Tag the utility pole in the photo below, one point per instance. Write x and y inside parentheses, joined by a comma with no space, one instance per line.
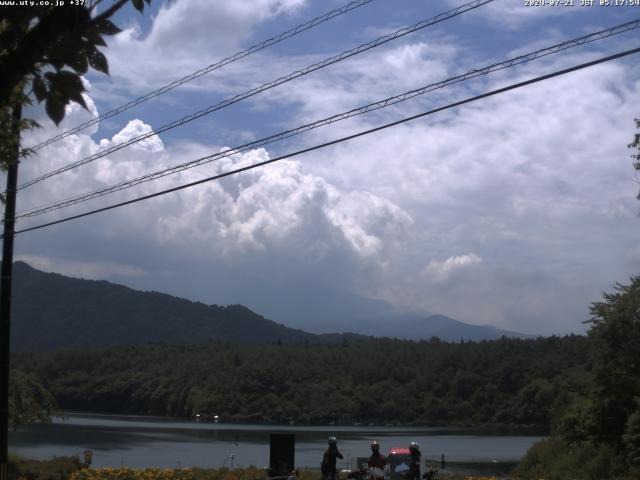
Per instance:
(5,286)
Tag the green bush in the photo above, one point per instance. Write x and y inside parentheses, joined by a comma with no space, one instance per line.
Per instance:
(555,459)
(59,468)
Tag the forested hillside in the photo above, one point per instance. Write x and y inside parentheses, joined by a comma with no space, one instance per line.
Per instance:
(508,381)
(53,311)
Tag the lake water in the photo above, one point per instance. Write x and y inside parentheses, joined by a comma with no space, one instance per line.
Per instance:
(145,442)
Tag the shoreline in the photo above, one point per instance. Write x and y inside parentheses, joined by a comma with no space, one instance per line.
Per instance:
(483,429)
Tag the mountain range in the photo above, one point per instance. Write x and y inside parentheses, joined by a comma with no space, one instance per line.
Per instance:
(415,326)
(51,311)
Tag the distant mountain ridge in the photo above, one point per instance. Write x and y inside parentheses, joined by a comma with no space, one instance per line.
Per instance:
(416,326)
(52,311)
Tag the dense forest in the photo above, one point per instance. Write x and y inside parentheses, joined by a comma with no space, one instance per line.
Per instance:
(584,391)
(381,381)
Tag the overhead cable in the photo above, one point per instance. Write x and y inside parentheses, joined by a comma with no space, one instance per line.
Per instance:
(274,83)
(215,66)
(625,27)
(339,140)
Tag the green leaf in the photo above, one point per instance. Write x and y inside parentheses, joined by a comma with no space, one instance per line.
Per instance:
(77,97)
(39,88)
(138,4)
(68,51)
(66,86)
(55,108)
(98,61)
(66,82)
(79,63)
(107,27)
(94,37)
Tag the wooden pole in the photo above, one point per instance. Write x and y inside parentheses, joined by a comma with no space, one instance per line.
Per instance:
(5,287)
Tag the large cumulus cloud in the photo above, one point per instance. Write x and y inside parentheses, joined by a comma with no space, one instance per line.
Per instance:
(516,211)
(275,218)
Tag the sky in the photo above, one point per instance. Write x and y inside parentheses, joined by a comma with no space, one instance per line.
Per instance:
(516,211)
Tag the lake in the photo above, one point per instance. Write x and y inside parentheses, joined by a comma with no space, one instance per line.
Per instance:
(159,442)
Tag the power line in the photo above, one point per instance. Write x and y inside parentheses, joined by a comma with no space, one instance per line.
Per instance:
(340,140)
(605,33)
(274,83)
(226,61)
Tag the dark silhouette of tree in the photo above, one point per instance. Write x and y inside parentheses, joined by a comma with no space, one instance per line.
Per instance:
(43,52)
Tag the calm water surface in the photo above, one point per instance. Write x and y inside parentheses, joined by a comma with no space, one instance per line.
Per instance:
(145,442)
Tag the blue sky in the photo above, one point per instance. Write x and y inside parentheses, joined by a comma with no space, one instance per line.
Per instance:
(516,211)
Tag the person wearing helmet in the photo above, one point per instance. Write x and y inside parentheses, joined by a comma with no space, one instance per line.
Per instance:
(329,459)
(414,465)
(376,461)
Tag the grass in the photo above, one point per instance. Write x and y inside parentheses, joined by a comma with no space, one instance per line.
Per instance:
(58,468)
(70,468)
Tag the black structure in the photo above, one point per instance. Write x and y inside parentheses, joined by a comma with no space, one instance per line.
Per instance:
(5,286)
(281,454)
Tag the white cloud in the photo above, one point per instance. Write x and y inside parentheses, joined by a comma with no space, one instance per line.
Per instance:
(206,24)
(373,76)
(279,208)
(184,37)
(369,223)
(442,271)
(512,14)
(134,129)
(537,183)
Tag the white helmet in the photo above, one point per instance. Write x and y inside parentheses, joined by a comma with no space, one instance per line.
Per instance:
(332,441)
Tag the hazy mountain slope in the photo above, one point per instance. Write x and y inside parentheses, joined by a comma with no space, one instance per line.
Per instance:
(52,311)
(416,327)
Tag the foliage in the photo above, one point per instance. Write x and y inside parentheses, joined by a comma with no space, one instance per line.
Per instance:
(44,50)
(9,141)
(636,145)
(631,441)
(251,473)
(599,435)
(508,381)
(29,401)
(555,459)
(69,468)
(59,468)
(132,474)
(615,331)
